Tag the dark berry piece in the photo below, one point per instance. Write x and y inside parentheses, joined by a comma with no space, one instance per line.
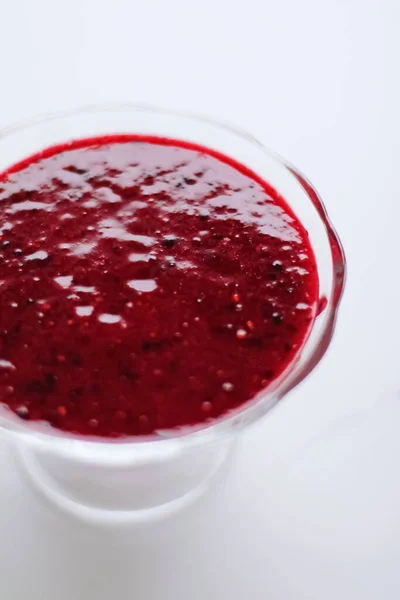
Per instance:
(169,241)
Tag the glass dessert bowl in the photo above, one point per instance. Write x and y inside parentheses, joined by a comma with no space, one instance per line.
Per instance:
(156,472)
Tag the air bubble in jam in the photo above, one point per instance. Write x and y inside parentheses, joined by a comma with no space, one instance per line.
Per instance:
(146,284)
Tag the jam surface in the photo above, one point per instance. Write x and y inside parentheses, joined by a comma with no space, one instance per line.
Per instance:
(145,284)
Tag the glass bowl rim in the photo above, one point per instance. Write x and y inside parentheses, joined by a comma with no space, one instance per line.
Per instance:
(255,408)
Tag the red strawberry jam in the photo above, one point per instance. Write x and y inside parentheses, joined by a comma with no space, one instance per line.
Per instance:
(145,283)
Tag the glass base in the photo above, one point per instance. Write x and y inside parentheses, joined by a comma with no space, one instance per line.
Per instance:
(129,496)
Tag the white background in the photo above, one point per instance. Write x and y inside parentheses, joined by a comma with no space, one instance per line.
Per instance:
(311,509)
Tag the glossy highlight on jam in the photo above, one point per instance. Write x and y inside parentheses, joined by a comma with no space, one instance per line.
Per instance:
(145,284)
